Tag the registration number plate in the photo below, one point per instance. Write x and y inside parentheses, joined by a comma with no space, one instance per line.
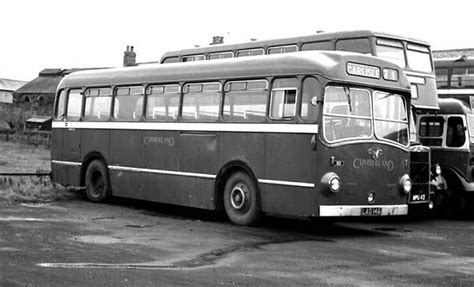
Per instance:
(371,211)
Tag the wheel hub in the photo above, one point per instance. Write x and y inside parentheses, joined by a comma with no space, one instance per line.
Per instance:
(238,197)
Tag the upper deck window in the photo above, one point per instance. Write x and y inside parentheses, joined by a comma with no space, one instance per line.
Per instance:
(282,49)
(250,52)
(193,58)
(441,78)
(419,58)
(358,45)
(323,45)
(97,107)
(128,103)
(221,55)
(462,77)
(391,50)
(171,60)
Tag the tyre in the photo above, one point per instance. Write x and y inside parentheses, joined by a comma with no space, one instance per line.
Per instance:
(241,199)
(97,182)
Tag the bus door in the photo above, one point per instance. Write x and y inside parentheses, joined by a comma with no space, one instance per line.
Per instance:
(197,145)
(70,140)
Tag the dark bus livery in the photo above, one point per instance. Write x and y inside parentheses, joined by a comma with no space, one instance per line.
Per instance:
(450,134)
(413,55)
(302,135)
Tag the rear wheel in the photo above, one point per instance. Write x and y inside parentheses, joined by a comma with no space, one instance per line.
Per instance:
(241,200)
(97,182)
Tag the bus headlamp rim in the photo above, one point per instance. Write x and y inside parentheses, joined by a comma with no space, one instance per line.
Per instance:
(331,182)
(406,184)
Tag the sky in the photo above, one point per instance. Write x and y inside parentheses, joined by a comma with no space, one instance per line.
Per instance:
(95,33)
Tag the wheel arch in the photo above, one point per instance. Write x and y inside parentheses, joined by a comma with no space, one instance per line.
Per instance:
(87,160)
(224,173)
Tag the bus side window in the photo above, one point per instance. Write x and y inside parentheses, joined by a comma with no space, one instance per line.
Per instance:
(456,133)
(74,104)
(201,102)
(245,101)
(283,99)
(312,96)
(128,103)
(162,102)
(60,106)
(97,106)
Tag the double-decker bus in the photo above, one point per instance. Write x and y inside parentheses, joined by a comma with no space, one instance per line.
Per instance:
(413,55)
(311,134)
(450,134)
(449,131)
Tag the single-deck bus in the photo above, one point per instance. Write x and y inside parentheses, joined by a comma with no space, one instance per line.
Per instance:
(413,55)
(311,134)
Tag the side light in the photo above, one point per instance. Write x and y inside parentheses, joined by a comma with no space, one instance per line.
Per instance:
(371,198)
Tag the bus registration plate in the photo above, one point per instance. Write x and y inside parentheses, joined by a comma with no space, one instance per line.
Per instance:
(371,211)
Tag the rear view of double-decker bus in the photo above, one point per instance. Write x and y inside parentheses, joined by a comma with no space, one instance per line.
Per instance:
(310,134)
(413,55)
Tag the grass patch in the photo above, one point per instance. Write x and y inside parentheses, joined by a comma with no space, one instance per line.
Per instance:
(17,157)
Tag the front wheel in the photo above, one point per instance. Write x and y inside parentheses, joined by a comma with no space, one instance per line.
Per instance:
(241,200)
(97,182)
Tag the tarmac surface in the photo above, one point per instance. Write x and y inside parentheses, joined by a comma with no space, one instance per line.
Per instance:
(132,243)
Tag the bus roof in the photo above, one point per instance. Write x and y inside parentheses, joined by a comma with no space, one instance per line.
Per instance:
(459,62)
(453,106)
(329,64)
(325,36)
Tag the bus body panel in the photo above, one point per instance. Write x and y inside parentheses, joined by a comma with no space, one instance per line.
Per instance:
(362,174)
(290,175)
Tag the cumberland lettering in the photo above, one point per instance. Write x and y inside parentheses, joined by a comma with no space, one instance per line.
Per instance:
(360,162)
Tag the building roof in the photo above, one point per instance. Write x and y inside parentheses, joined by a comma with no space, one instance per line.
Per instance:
(10,85)
(47,81)
(454,53)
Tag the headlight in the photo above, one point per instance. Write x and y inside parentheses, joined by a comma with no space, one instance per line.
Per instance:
(335,184)
(405,183)
(331,183)
(437,169)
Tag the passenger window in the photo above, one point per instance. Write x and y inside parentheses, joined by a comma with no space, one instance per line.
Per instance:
(221,55)
(283,99)
(311,99)
(361,45)
(456,132)
(282,49)
(193,58)
(250,52)
(60,106)
(325,45)
(170,60)
(97,106)
(201,102)
(245,101)
(74,104)
(162,102)
(128,103)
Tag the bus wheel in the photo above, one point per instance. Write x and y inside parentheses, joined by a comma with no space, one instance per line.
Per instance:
(241,199)
(97,182)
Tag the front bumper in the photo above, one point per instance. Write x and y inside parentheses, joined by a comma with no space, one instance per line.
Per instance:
(362,210)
